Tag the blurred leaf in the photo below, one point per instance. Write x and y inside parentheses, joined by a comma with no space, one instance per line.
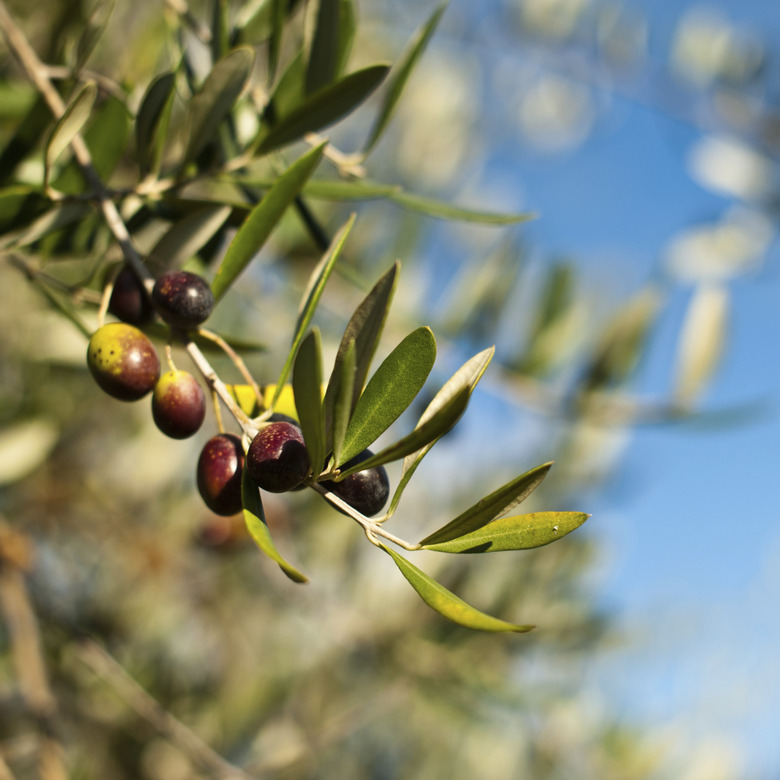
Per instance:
(443,210)
(254,516)
(284,400)
(213,103)
(26,136)
(330,189)
(338,414)
(333,27)
(465,378)
(447,603)
(429,431)
(401,73)
(105,136)
(389,392)
(25,446)
(68,126)
(701,341)
(19,205)
(244,396)
(151,124)
(622,341)
(289,93)
(62,215)
(186,237)
(263,219)
(275,39)
(313,293)
(490,507)
(93,31)
(307,384)
(323,108)
(521,532)
(220,29)
(159,330)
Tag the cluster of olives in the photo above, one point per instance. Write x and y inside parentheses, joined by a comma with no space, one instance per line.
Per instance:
(126,366)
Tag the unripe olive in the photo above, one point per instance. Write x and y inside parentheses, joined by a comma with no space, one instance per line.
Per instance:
(277,459)
(178,404)
(219,474)
(366,490)
(123,361)
(183,299)
(129,300)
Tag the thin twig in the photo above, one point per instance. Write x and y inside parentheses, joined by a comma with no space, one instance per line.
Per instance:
(105,666)
(26,651)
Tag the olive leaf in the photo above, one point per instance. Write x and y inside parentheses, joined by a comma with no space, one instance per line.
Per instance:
(520,532)
(307,384)
(390,390)
(334,30)
(491,506)
(447,603)
(262,219)
(151,122)
(343,382)
(254,516)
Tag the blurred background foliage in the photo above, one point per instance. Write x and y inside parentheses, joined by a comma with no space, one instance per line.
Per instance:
(351,676)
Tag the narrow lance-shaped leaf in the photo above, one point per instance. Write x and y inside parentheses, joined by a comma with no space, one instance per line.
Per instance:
(152,121)
(186,237)
(307,384)
(447,603)
(215,100)
(437,426)
(466,377)
(254,516)
(324,47)
(275,39)
(262,219)
(442,210)
(402,72)
(312,295)
(341,409)
(364,328)
(519,532)
(491,506)
(68,126)
(93,31)
(62,215)
(323,108)
(327,189)
(390,390)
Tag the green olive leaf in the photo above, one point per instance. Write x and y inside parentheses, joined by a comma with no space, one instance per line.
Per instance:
(151,122)
(442,210)
(325,107)
(390,390)
(332,35)
(447,603)
(307,389)
(311,298)
(466,377)
(520,532)
(491,506)
(213,103)
(342,403)
(258,225)
(428,432)
(401,73)
(254,516)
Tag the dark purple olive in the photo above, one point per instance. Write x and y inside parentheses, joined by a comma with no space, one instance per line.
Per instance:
(277,459)
(129,300)
(183,299)
(219,474)
(366,490)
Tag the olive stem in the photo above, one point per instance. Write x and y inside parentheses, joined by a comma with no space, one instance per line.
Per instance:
(371,527)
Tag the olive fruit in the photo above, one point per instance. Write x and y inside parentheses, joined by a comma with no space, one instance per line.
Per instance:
(129,300)
(123,361)
(365,490)
(183,299)
(219,470)
(178,404)
(277,459)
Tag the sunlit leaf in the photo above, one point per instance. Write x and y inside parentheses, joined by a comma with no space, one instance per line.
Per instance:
(151,123)
(466,377)
(390,390)
(400,76)
(323,108)
(520,532)
(244,396)
(426,433)
(93,31)
(186,237)
(490,507)
(262,220)
(215,100)
(443,210)
(313,293)
(329,189)
(254,516)
(307,383)
(447,603)
(69,125)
